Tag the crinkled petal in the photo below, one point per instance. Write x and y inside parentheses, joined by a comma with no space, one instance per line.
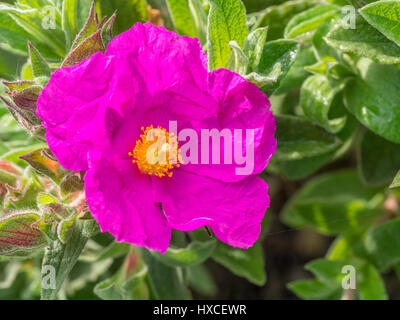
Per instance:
(120,199)
(73,107)
(234,211)
(242,105)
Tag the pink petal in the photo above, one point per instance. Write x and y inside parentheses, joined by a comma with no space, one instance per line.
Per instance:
(233,210)
(73,107)
(120,199)
(242,105)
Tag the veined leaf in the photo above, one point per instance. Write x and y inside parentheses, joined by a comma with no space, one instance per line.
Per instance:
(226,23)
(384,16)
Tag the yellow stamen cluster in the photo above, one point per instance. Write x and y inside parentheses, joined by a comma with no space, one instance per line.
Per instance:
(156,152)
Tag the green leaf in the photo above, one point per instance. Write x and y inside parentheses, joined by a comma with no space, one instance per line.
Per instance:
(115,250)
(297,74)
(88,29)
(39,66)
(226,23)
(18,236)
(299,138)
(327,271)
(376,104)
(277,17)
(182,17)
(365,41)
(165,282)
(199,18)
(370,284)
(14,37)
(131,289)
(314,290)
(303,24)
(396,181)
(299,169)
(238,61)
(129,12)
(334,203)
(43,164)
(384,16)
(62,257)
(85,50)
(254,47)
(70,20)
(279,53)
(107,290)
(195,253)
(378,159)
(200,279)
(316,98)
(383,244)
(33,20)
(244,263)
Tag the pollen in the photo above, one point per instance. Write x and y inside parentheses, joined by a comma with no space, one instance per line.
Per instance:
(156,152)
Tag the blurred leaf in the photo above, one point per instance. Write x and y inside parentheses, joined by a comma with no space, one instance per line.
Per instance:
(200,19)
(182,17)
(128,12)
(370,284)
(129,289)
(378,159)
(376,104)
(333,203)
(303,24)
(195,253)
(302,168)
(200,280)
(244,263)
(165,282)
(383,244)
(314,290)
(277,17)
(227,22)
(384,16)
(299,138)
(32,20)
(396,181)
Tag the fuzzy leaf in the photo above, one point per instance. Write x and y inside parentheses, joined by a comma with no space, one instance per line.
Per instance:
(226,23)
(40,162)
(18,236)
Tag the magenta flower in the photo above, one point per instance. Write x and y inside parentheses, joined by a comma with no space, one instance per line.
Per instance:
(96,114)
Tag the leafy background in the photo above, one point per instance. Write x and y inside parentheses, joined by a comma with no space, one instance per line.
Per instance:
(335,92)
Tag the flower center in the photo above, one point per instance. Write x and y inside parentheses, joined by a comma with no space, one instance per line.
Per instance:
(156,152)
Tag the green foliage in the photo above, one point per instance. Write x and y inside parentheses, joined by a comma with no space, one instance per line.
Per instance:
(226,23)
(334,91)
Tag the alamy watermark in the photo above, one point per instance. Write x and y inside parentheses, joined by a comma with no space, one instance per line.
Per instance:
(214,146)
